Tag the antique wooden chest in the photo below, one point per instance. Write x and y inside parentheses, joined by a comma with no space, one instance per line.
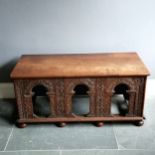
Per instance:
(100,77)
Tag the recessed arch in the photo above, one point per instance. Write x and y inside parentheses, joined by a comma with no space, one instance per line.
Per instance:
(48,84)
(41,101)
(113,83)
(81,100)
(120,99)
(81,89)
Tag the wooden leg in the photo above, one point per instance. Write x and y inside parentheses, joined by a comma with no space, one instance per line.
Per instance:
(99,124)
(21,125)
(61,124)
(139,123)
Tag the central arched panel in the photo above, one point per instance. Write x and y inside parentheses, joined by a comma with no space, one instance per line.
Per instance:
(81,100)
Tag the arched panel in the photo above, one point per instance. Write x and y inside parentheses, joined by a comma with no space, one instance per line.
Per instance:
(120,99)
(41,101)
(70,92)
(80,100)
(30,84)
(72,83)
(113,83)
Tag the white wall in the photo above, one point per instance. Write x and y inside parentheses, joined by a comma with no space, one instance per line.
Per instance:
(75,26)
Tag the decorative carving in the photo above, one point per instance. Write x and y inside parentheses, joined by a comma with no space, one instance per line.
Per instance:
(113,82)
(70,84)
(140,84)
(60,92)
(23,88)
(30,84)
(133,84)
(99,97)
(28,105)
(19,97)
(60,95)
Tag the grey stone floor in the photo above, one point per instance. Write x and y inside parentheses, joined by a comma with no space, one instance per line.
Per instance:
(78,138)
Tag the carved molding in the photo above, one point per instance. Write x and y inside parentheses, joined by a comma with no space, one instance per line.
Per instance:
(113,82)
(70,84)
(30,84)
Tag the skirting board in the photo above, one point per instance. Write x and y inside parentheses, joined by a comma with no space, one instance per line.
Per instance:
(7,89)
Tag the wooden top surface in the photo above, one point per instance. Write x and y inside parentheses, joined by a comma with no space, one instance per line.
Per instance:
(79,65)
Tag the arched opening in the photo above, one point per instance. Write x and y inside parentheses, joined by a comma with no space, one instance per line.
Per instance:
(41,102)
(120,100)
(80,100)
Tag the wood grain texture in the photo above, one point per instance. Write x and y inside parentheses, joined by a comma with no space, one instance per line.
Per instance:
(79,65)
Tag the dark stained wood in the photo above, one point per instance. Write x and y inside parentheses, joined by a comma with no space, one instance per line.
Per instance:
(21,125)
(99,124)
(139,123)
(81,119)
(100,73)
(81,65)
(61,124)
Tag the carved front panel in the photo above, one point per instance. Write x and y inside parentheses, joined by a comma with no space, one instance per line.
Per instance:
(70,84)
(134,83)
(60,92)
(24,95)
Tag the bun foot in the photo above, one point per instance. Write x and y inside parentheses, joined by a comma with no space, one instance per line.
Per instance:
(99,124)
(139,123)
(62,124)
(21,125)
